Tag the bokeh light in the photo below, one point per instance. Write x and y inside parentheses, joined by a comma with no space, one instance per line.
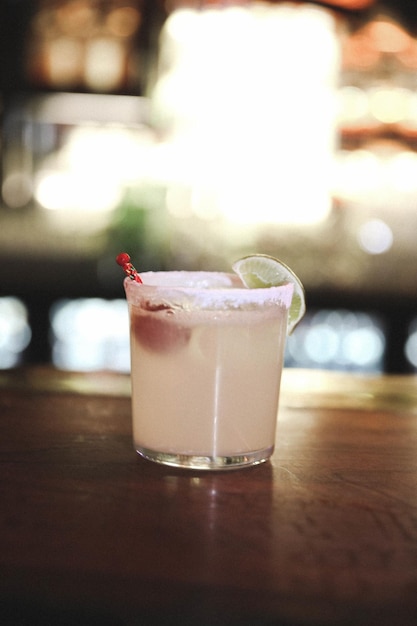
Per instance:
(338,340)
(90,334)
(15,332)
(410,348)
(375,236)
(268,135)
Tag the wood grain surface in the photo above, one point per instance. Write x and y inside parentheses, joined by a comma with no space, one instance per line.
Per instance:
(324,534)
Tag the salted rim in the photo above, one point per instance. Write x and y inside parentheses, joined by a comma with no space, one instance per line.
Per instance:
(207,290)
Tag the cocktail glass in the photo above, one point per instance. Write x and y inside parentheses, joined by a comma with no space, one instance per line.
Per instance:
(206,363)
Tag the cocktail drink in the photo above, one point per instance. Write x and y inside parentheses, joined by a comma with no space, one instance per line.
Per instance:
(206,362)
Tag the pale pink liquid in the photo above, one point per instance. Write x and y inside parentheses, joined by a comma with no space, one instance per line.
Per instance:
(205,383)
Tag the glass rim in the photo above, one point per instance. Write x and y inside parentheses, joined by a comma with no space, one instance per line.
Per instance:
(205,289)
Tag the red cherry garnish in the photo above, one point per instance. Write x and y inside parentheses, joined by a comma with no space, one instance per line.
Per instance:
(157,332)
(123,259)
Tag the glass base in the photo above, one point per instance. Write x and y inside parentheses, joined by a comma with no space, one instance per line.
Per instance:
(197,462)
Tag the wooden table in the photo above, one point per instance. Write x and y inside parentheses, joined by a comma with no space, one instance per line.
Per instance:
(325,533)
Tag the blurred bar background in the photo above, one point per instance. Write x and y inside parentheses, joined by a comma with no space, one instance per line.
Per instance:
(192,133)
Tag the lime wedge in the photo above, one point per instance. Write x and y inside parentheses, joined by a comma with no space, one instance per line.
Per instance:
(261,270)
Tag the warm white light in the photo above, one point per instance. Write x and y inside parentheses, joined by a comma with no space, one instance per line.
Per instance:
(65,60)
(69,191)
(353,104)
(403,172)
(389,105)
(258,154)
(112,152)
(104,64)
(357,172)
(92,169)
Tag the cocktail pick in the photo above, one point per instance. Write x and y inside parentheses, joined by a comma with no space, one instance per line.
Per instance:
(123,259)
